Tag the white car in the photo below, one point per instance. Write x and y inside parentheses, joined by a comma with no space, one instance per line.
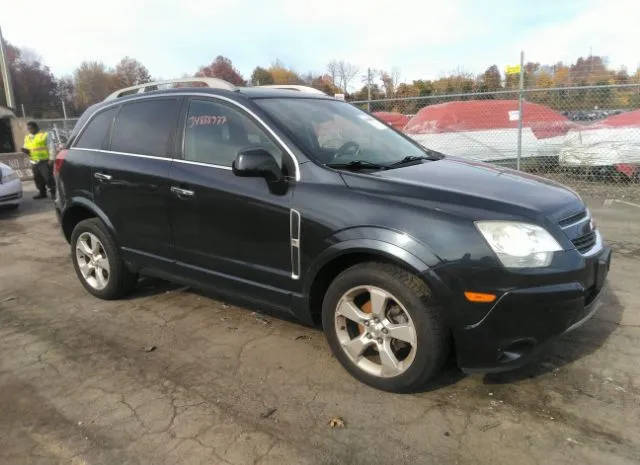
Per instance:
(10,187)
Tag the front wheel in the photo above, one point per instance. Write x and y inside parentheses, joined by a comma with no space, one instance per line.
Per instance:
(384,327)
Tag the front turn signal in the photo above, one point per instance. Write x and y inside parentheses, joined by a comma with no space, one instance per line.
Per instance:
(479,297)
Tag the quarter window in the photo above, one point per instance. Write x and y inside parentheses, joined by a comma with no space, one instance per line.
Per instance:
(95,134)
(145,127)
(215,133)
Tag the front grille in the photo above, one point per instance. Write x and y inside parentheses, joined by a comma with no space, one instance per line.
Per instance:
(586,242)
(573,219)
(6,198)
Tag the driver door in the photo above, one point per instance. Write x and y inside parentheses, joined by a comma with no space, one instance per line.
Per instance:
(229,231)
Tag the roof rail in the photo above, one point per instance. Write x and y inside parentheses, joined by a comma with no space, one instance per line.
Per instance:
(307,89)
(213,83)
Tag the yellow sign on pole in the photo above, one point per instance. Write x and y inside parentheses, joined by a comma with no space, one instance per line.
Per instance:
(513,69)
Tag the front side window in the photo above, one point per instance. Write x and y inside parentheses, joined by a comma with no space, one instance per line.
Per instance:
(145,127)
(332,131)
(95,134)
(216,132)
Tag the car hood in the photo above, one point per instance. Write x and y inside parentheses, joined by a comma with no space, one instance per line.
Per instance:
(477,185)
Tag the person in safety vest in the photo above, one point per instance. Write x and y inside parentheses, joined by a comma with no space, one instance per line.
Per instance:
(36,145)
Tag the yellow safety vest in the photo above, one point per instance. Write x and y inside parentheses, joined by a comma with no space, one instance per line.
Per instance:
(37,145)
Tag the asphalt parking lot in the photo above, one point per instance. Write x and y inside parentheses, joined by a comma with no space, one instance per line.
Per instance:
(171,376)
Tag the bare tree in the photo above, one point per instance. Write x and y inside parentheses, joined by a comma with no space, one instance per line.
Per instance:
(346,73)
(390,81)
(332,69)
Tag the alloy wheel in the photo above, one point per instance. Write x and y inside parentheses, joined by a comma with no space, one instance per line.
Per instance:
(92,261)
(375,331)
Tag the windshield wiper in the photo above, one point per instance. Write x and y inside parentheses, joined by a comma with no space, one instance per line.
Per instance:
(358,165)
(411,159)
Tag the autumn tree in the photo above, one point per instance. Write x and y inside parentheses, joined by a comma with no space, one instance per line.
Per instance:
(405,90)
(283,75)
(33,83)
(261,77)
(93,82)
(621,76)
(363,93)
(544,80)
(491,80)
(425,87)
(323,83)
(458,82)
(222,68)
(589,70)
(130,72)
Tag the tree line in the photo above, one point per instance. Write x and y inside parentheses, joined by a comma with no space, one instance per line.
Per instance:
(42,94)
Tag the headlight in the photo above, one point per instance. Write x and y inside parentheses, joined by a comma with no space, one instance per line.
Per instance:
(519,245)
(8,176)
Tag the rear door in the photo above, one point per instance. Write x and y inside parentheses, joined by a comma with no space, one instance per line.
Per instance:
(130,179)
(75,180)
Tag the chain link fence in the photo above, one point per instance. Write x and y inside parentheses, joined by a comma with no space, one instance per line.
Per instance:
(58,118)
(587,138)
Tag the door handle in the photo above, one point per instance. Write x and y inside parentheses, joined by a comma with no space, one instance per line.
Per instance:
(180,192)
(102,176)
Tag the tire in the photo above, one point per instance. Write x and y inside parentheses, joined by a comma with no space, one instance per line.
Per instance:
(110,279)
(412,305)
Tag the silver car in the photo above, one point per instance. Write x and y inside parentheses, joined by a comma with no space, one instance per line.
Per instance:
(10,188)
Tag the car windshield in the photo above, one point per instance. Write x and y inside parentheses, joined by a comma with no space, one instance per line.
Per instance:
(338,134)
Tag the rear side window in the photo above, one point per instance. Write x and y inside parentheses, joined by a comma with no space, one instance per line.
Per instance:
(95,134)
(145,127)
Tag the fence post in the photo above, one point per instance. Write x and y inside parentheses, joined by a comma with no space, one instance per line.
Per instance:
(64,114)
(520,110)
(368,90)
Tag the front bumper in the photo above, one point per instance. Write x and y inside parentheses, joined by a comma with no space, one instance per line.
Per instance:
(522,320)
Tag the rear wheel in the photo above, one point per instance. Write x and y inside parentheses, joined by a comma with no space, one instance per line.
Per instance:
(384,327)
(97,262)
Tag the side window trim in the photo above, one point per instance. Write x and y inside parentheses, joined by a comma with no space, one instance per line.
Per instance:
(256,118)
(246,113)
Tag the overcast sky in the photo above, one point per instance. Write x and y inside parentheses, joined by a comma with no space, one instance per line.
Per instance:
(423,38)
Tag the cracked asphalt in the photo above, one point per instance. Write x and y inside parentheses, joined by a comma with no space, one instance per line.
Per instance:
(172,376)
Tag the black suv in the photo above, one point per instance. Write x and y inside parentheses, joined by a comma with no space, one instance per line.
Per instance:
(304,204)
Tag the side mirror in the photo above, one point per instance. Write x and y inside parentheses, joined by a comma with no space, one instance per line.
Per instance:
(257,163)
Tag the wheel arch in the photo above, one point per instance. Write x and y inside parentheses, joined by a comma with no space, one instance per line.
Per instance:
(346,254)
(81,209)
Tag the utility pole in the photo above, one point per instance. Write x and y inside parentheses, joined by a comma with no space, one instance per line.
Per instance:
(6,74)
(64,114)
